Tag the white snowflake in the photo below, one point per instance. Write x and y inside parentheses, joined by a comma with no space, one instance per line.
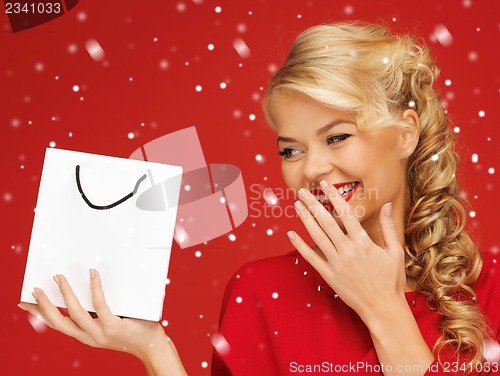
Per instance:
(241,48)
(95,50)
(443,35)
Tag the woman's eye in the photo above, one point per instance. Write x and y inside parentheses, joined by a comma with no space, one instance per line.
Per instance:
(337,138)
(288,153)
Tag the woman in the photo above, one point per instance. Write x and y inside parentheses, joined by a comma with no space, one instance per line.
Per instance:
(394,284)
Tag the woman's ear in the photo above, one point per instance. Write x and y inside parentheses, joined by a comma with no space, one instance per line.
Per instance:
(410,134)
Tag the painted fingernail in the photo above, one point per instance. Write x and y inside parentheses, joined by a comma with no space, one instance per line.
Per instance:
(325,185)
(35,294)
(92,273)
(299,206)
(57,280)
(291,235)
(388,209)
(303,193)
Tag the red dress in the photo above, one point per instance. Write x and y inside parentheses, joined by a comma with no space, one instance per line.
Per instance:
(279,317)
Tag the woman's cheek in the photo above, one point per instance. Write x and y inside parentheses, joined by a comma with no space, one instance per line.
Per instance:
(289,176)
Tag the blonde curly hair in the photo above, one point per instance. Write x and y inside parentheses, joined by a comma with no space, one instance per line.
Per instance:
(376,75)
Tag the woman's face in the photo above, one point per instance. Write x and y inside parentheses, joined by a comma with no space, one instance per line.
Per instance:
(318,142)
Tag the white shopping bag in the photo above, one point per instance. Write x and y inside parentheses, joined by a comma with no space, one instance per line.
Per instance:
(113,214)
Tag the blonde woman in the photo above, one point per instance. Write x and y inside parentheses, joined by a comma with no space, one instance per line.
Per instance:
(393,284)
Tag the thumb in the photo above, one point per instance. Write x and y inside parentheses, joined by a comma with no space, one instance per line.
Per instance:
(389,228)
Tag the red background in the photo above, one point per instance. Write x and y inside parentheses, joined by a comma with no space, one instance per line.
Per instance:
(36,109)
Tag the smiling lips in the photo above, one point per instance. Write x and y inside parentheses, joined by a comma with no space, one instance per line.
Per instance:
(345,189)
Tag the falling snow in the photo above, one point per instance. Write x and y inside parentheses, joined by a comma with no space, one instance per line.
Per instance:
(15,123)
(443,35)
(473,56)
(241,48)
(164,64)
(220,344)
(270,197)
(348,9)
(181,7)
(492,351)
(81,16)
(37,323)
(94,49)
(241,28)
(272,68)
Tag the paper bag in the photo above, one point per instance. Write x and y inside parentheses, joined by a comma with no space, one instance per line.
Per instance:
(113,214)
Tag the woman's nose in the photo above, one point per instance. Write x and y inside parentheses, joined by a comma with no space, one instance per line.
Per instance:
(317,166)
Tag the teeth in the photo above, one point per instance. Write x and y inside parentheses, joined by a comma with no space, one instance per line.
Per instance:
(346,188)
(342,190)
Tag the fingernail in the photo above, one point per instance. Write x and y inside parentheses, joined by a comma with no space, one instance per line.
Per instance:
(302,193)
(299,206)
(35,294)
(92,273)
(323,184)
(388,209)
(57,280)
(20,306)
(291,235)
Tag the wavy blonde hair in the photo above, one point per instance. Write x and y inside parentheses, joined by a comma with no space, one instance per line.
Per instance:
(365,69)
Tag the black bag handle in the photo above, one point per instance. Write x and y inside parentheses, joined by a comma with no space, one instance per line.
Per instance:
(104,207)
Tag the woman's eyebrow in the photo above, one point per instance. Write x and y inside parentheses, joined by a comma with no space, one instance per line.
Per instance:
(327,127)
(320,131)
